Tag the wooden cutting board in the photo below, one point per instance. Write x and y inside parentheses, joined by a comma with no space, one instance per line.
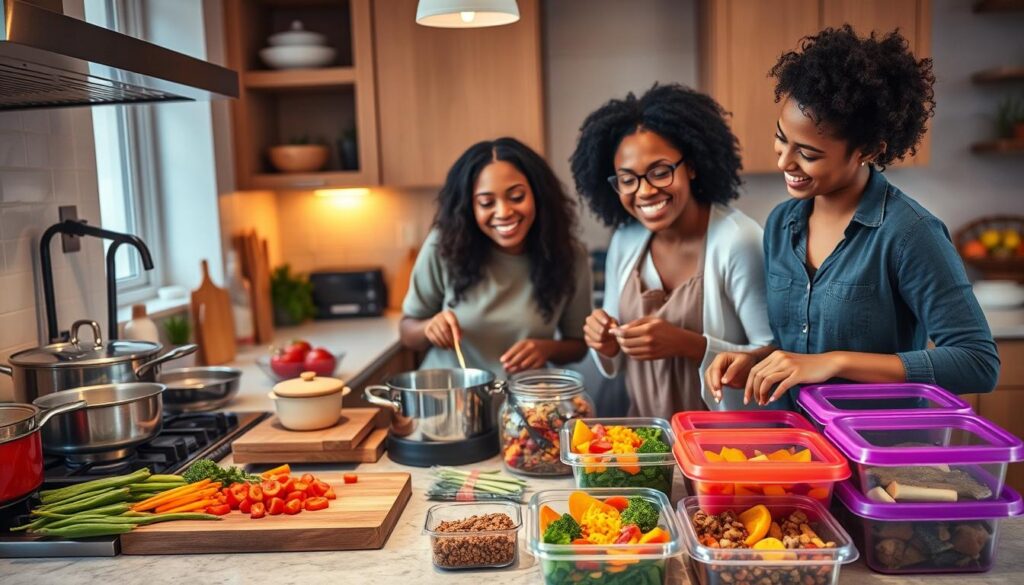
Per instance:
(255,266)
(369,451)
(213,321)
(270,436)
(362,517)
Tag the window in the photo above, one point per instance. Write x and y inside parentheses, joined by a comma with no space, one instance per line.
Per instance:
(125,167)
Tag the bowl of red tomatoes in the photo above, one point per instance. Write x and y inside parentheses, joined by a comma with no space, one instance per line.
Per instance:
(288,361)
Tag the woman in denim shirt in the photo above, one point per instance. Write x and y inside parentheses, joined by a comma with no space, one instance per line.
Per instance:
(859,275)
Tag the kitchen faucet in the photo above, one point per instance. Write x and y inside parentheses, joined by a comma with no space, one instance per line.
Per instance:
(80,228)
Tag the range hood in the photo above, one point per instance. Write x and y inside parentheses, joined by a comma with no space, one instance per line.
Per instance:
(51,60)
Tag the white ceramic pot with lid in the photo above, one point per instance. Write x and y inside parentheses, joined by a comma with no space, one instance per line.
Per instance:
(309,402)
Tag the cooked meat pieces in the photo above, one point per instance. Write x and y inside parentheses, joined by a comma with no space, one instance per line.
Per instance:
(931,477)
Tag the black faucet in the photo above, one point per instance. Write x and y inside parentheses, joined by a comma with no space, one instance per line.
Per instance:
(80,228)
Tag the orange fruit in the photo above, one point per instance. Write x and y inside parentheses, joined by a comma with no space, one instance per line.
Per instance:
(803,456)
(712,456)
(757,521)
(547,516)
(581,433)
(974,249)
(770,544)
(732,455)
(780,455)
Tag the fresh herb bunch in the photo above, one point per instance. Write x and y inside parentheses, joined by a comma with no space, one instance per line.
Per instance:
(562,531)
(178,329)
(292,295)
(642,513)
(207,468)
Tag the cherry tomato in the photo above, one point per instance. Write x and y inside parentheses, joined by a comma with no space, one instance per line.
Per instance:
(296,495)
(318,488)
(316,504)
(287,484)
(258,511)
(351,478)
(275,506)
(255,493)
(307,478)
(246,506)
(270,488)
(330,495)
(300,486)
(292,507)
(218,510)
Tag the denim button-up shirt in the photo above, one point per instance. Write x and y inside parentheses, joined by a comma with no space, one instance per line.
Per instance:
(894,282)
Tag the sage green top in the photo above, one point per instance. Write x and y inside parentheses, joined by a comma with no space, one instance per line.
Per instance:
(497,311)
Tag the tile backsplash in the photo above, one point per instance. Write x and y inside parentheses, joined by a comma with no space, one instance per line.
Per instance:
(47,159)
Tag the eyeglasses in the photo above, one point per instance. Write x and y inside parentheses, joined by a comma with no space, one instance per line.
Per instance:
(661,176)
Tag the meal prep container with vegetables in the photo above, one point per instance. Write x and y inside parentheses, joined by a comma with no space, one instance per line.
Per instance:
(472,549)
(751,566)
(826,402)
(926,537)
(811,467)
(649,470)
(926,457)
(603,564)
(693,420)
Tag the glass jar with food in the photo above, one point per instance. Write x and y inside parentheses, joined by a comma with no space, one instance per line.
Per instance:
(536,407)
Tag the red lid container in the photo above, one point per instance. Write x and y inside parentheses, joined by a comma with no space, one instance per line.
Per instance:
(695,420)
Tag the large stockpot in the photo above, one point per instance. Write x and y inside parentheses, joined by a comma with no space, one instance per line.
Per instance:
(21,452)
(74,364)
(439,405)
(116,418)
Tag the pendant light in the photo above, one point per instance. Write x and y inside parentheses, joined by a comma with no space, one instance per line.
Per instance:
(466,13)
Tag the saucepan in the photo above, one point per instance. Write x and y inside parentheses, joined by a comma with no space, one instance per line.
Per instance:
(199,389)
(21,450)
(440,404)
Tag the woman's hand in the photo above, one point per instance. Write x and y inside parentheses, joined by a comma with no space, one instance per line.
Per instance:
(528,354)
(787,370)
(443,330)
(597,333)
(650,338)
(728,368)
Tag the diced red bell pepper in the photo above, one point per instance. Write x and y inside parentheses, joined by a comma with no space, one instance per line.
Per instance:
(275,506)
(271,488)
(258,511)
(295,495)
(600,447)
(316,503)
(255,493)
(218,510)
(246,506)
(292,507)
(330,495)
(628,533)
(617,502)
(350,478)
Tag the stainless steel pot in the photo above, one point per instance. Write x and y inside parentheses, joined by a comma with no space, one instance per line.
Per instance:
(439,405)
(199,389)
(116,418)
(60,366)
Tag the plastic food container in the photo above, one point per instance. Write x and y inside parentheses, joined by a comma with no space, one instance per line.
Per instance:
(926,537)
(569,564)
(649,470)
(748,566)
(812,473)
(926,457)
(826,402)
(692,420)
(472,549)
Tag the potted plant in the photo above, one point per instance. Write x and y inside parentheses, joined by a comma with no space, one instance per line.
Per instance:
(1010,118)
(292,296)
(178,330)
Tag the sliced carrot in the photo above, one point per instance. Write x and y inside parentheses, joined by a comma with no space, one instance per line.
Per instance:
(209,493)
(580,502)
(200,505)
(547,516)
(164,497)
(279,470)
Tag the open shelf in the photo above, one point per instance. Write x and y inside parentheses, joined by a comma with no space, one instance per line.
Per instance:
(1006,145)
(998,5)
(999,74)
(307,181)
(296,79)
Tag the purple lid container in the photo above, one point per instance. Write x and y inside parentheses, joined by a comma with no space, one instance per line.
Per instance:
(1007,505)
(993,444)
(820,401)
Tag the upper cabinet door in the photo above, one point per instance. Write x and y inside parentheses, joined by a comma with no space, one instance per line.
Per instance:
(441,90)
(742,39)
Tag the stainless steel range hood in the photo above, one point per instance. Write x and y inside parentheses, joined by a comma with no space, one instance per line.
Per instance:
(50,60)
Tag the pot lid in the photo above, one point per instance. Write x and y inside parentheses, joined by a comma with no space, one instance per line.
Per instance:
(297,35)
(69,354)
(12,414)
(307,385)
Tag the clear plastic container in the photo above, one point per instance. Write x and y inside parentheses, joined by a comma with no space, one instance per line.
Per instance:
(926,537)
(472,549)
(692,420)
(593,564)
(649,470)
(542,400)
(826,402)
(749,566)
(755,464)
(926,457)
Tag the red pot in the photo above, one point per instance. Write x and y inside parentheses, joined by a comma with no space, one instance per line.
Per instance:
(21,448)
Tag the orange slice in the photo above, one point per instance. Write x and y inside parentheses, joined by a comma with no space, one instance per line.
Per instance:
(581,433)
(733,455)
(803,456)
(547,516)
(713,457)
(757,521)
(780,455)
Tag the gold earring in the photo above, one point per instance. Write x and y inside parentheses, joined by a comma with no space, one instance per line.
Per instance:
(862,164)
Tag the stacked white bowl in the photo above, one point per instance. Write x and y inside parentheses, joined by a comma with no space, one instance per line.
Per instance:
(297,48)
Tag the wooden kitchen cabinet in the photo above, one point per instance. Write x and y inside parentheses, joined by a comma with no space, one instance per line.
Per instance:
(1005,405)
(742,39)
(441,90)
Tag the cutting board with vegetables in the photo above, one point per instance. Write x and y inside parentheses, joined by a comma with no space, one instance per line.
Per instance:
(359,436)
(362,517)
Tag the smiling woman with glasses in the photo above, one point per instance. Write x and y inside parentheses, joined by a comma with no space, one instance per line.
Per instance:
(684,277)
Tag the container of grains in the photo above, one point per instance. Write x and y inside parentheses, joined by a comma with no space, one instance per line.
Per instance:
(473,535)
(538,404)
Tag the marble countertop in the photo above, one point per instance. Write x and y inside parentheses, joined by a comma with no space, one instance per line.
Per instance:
(1005,323)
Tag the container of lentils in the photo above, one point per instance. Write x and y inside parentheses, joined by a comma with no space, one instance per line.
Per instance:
(537,405)
(473,535)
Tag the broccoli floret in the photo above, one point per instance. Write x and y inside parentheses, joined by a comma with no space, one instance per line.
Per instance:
(207,468)
(648,433)
(562,531)
(653,446)
(642,513)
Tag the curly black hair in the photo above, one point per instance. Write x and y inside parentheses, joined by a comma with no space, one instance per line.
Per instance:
(866,91)
(551,243)
(690,121)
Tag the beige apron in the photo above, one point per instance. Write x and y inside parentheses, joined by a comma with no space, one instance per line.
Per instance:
(660,388)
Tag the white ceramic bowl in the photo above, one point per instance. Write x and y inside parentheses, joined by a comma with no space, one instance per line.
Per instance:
(297,57)
(297,37)
(309,413)
(999,294)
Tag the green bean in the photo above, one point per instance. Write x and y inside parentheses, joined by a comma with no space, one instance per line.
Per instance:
(75,499)
(158,478)
(140,520)
(37,523)
(114,497)
(86,530)
(49,496)
(112,509)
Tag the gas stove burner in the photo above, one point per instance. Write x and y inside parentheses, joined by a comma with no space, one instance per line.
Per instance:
(101,462)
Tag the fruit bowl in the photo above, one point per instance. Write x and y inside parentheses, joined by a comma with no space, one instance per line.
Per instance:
(264,364)
(994,246)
